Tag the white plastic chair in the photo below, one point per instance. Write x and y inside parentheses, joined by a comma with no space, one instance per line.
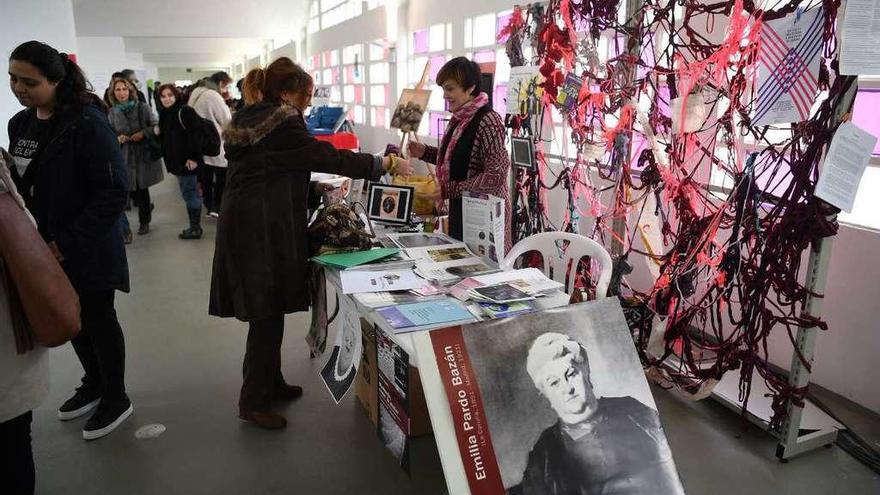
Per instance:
(550,245)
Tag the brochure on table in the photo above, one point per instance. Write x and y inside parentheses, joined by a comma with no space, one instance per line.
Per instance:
(483,226)
(502,424)
(446,263)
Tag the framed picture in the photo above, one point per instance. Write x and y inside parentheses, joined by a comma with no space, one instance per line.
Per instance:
(411,107)
(522,152)
(389,203)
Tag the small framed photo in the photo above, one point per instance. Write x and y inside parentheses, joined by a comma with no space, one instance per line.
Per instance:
(522,153)
(389,203)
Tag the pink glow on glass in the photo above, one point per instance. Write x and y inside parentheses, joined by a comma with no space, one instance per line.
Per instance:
(498,98)
(865,114)
(500,24)
(359,95)
(420,41)
(437,62)
(437,123)
(484,56)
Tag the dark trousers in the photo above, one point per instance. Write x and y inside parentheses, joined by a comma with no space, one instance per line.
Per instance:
(262,364)
(100,345)
(16,456)
(144,205)
(213,181)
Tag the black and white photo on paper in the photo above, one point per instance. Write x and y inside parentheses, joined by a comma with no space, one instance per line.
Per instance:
(340,370)
(566,402)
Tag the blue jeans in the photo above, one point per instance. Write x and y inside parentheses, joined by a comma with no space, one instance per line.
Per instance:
(189,189)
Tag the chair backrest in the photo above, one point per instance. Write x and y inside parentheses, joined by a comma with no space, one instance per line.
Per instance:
(558,257)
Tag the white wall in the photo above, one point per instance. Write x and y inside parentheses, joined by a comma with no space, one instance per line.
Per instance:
(49,21)
(169,75)
(100,57)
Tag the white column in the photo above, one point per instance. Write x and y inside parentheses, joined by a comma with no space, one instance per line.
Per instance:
(49,21)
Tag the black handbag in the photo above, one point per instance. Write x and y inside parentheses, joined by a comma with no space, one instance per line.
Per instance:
(151,144)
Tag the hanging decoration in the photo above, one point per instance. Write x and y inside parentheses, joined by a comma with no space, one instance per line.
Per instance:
(667,156)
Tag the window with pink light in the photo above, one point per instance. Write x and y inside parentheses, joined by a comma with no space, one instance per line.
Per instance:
(420,41)
(866,114)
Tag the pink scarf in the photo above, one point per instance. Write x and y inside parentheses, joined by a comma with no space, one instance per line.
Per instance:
(463,117)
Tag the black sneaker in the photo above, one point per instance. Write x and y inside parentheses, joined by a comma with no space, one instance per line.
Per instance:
(108,415)
(81,403)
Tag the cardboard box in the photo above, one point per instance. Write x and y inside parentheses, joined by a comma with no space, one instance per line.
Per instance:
(367,386)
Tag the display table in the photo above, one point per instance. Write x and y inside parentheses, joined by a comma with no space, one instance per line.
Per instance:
(405,340)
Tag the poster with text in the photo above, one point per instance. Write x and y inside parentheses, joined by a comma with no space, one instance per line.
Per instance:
(394,413)
(788,70)
(483,228)
(553,403)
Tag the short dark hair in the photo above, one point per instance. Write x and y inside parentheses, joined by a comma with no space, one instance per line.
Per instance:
(219,77)
(462,71)
(118,75)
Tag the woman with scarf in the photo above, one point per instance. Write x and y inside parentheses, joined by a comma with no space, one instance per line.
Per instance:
(181,145)
(471,157)
(134,124)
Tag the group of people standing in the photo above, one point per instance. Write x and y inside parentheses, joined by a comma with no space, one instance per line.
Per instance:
(75,163)
(174,138)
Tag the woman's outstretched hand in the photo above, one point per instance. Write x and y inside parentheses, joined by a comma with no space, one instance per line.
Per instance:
(416,150)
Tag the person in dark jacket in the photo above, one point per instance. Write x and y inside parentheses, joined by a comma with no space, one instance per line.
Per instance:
(135,124)
(181,145)
(69,168)
(261,255)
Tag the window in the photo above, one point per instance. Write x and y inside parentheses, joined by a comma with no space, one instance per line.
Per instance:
(865,116)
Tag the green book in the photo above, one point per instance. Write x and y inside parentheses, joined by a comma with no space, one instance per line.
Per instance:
(355,258)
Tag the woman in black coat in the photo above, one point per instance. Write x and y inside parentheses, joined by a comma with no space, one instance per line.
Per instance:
(261,256)
(181,145)
(69,168)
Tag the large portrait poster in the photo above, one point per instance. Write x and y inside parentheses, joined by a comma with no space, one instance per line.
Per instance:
(553,403)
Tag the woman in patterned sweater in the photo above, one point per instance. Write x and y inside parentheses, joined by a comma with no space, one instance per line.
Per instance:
(471,156)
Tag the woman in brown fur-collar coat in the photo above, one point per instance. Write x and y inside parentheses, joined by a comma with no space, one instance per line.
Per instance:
(261,256)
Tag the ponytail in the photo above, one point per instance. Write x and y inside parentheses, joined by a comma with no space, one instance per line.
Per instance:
(253,87)
(73,91)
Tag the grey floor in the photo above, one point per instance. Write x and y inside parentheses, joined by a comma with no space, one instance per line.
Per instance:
(184,372)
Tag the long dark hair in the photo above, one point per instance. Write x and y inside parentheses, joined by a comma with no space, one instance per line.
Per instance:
(73,90)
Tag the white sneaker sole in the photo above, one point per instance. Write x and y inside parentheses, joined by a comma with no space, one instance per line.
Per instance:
(95,434)
(68,415)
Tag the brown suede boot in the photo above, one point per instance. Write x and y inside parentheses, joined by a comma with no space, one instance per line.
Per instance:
(267,420)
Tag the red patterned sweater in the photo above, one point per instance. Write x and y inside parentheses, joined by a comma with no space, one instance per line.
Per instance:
(488,170)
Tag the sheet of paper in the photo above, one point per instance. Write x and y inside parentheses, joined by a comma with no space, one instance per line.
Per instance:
(844,165)
(483,226)
(421,240)
(860,38)
(534,280)
(340,370)
(789,68)
(406,316)
(356,281)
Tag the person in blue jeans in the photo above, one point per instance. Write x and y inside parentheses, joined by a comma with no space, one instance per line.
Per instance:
(181,145)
